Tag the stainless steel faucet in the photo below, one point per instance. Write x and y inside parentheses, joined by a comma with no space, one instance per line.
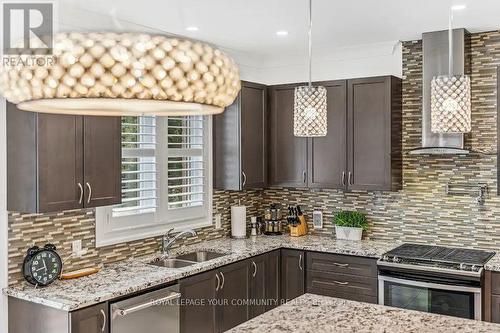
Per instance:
(168,240)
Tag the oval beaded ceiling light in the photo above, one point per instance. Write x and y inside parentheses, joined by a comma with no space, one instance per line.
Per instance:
(113,74)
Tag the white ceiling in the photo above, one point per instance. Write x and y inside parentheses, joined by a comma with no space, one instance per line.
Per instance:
(351,37)
(250,26)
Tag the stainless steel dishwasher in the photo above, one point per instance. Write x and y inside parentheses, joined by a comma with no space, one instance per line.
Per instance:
(153,312)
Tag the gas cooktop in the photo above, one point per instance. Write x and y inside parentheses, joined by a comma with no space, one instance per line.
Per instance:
(438,256)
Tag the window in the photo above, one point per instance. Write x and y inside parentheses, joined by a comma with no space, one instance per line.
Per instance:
(166,179)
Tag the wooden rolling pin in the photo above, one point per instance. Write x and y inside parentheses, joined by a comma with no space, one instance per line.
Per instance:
(79,273)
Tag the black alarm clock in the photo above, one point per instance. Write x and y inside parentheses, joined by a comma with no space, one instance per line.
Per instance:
(42,266)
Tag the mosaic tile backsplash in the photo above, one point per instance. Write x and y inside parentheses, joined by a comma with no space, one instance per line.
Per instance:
(420,212)
(62,228)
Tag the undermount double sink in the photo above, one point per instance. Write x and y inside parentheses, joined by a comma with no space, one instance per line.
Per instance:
(187,259)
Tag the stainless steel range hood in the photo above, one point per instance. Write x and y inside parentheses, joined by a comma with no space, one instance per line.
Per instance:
(435,62)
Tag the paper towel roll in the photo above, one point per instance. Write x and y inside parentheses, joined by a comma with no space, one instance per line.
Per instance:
(238,221)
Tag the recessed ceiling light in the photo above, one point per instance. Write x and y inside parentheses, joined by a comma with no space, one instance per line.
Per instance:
(281,33)
(192,28)
(458,7)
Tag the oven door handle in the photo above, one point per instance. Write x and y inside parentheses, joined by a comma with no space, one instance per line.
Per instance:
(429,285)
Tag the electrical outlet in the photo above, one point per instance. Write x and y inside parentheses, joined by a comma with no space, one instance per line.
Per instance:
(218,221)
(76,248)
(318,219)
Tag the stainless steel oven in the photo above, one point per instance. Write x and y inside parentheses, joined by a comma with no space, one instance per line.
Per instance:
(436,291)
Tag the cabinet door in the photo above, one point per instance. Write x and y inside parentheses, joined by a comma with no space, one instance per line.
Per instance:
(102,161)
(327,163)
(273,279)
(60,167)
(233,290)
(495,309)
(227,148)
(197,314)
(93,319)
(288,154)
(258,285)
(369,133)
(292,274)
(253,135)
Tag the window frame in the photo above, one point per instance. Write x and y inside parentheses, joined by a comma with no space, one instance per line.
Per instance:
(111,230)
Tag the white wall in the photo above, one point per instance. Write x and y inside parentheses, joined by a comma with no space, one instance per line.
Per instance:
(3,216)
(349,62)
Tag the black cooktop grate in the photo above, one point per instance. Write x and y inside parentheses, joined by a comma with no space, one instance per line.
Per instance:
(422,253)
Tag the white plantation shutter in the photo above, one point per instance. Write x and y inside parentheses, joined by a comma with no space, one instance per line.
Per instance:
(139,181)
(186,163)
(166,179)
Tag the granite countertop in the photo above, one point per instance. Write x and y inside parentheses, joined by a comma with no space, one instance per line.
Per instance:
(132,275)
(494,263)
(318,314)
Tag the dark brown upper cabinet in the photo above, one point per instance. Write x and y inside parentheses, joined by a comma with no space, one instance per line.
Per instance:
(62,162)
(288,154)
(362,148)
(327,155)
(240,141)
(374,130)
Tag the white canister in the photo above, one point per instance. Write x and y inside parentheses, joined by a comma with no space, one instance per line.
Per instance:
(238,221)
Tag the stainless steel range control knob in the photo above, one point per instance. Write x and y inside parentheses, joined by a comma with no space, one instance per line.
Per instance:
(396,259)
(463,267)
(474,268)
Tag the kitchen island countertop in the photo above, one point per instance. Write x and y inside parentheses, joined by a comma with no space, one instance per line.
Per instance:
(322,314)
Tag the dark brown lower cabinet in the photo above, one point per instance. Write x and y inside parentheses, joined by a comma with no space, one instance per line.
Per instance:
(495,309)
(273,279)
(292,274)
(342,276)
(264,283)
(491,299)
(198,312)
(258,284)
(215,301)
(234,293)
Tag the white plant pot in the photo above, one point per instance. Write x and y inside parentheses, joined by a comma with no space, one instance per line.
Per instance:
(348,233)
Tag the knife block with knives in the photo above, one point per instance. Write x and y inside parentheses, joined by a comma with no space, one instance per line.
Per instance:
(296,222)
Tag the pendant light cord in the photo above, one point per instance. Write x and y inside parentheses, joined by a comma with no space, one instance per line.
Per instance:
(310,43)
(450,44)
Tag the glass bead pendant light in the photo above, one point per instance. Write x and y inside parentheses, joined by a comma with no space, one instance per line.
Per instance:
(451,97)
(310,112)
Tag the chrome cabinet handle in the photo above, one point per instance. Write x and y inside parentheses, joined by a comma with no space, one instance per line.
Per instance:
(343,178)
(304,175)
(218,282)
(350,178)
(300,262)
(254,269)
(124,312)
(80,200)
(340,265)
(244,178)
(90,192)
(223,280)
(103,327)
(341,283)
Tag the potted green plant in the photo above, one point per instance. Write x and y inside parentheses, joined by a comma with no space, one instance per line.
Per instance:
(350,225)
